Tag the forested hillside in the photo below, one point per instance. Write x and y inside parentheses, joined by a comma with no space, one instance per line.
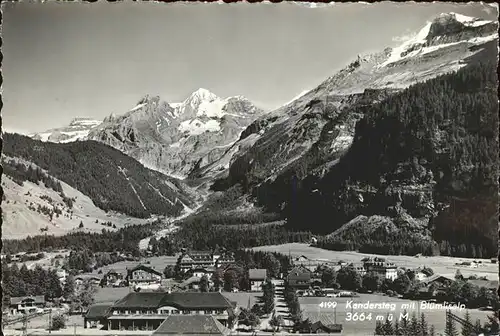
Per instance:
(426,161)
(113,180)
(123,240)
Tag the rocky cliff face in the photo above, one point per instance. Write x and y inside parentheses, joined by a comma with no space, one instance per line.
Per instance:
(178,138)
(320,155)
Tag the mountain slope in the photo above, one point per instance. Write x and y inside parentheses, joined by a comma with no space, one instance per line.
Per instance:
(112,180)
(284,135)
(177,138)
(78,129)
(290,151)
(427,161)
(36,203)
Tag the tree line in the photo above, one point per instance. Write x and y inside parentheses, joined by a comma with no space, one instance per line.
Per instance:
(203,236)
(124,240)
(26,282)
(113,180)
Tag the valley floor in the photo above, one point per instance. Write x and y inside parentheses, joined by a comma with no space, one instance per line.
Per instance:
(440,264)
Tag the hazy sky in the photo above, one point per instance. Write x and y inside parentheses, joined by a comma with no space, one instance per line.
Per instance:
(63,60)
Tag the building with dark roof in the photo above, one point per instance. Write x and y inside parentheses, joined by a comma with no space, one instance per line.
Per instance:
(299,277)
(26,304)
(95,315)
(193,325)
(438,280)
(257,277)
(143,275)
(147,310)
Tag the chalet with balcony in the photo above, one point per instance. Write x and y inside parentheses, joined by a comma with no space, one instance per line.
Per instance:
(224,260)
(299,277)
(199,272)
(148,310)
(142,275)
(380,266)
(91,278)
(26,304)
(112,279)
(197,260)
(205,259)
(257,277)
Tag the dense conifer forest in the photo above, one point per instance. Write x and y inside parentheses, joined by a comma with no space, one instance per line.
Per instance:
(113,180)
(429,152)
(124,240)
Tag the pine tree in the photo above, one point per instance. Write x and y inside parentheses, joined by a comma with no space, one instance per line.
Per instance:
(397,329)
(414,325)
(466,327)
(478,326)
(451,328)
(387,327)
(424,328)
(405,326)
(379,328)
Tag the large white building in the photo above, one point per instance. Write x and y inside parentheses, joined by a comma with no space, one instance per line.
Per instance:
(387,270)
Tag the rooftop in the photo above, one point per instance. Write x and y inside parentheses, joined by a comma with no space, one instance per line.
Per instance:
(192,325)
(145,268)
(98,311)
(257,274)
(19,299)
(181,300)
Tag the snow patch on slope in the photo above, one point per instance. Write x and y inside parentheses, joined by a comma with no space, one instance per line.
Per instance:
(212,109)
(197,127)
(420,38)
(467,20)
(138,107)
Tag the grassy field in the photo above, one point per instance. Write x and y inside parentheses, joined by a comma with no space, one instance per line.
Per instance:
(110,295)
(441,265)
(339,314)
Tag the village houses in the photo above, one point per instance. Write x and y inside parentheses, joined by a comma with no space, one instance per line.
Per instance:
(257,277)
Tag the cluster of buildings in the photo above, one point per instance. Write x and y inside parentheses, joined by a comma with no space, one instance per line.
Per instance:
(302,276)
(194,264)
(205,259)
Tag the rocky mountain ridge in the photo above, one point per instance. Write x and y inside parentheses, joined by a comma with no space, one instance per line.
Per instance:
(173,138)
(290,158)
(290,131)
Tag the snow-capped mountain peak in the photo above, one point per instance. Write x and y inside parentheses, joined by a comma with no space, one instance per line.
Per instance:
(176,137)
(445,30)
(463,19)
(202,94)
(77,129)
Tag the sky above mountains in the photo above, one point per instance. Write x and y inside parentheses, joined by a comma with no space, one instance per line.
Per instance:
(66,60)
